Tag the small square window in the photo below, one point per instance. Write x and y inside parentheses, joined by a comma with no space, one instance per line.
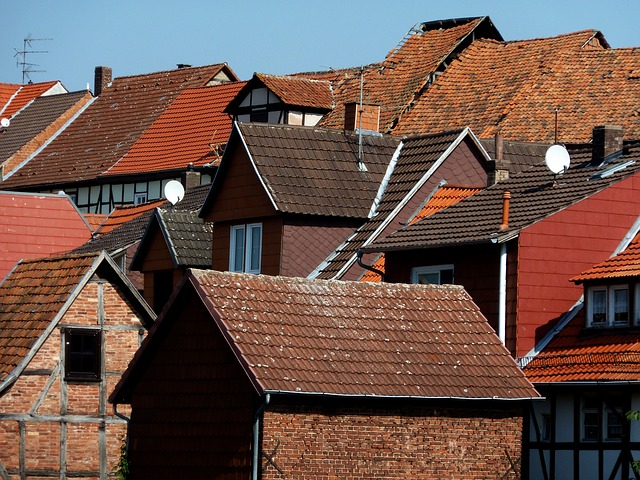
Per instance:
(82,354)
(139,198)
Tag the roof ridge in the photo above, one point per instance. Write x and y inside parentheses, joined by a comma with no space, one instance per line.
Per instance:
(202,67)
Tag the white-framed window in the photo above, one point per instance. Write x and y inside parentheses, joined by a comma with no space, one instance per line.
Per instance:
(139,198)
(434,274)
(245,252)
(608,306)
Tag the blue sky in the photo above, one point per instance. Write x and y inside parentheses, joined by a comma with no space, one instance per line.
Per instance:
(276,37)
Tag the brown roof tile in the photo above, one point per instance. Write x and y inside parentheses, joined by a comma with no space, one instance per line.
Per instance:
(297,91)
(107,129)
(533,197)
(308,170)
(15,97)
(355,338)
(516,87)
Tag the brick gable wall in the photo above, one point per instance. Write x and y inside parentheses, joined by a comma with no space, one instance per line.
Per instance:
(51,427)
(420,442)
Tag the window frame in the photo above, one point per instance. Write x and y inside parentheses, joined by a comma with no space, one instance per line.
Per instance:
(431,269)
(93,374)
(610,306)
(250,252)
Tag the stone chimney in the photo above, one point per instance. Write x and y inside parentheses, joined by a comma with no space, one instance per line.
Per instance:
(370,117)
(500,170)
(607,140)
(102,78)
(190,178)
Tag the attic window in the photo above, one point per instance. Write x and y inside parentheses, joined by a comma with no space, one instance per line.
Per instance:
(82,354)
(608,306)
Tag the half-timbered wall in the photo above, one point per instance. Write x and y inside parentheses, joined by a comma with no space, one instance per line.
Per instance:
(53,428)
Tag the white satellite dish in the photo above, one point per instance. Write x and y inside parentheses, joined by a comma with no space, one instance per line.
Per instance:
(557,159)
(173,191)
(4,123)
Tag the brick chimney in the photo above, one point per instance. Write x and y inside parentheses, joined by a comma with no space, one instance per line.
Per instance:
(607,140)
(102,78)
(190,178)
(500,170)
(370,117)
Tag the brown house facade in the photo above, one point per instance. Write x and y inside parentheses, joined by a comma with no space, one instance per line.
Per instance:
(68,328)
(256,376)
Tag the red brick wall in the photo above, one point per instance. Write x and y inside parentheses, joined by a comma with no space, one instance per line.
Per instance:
(43,435)
(439,443)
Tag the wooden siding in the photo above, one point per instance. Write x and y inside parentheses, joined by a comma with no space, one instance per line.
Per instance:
(240,195)
(561,246)
(193,408)
(156,256)
(271,243)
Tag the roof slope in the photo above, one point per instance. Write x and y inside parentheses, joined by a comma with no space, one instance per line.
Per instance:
(35,295)
(36,225)
(13,97)
(308,170)
(128,232)
(578,355)
(623,265)
(189,131)
(107,129)
(125,213)
(355,338)
(407,70)
(533,197)
(37,116)
(413,167)
(516,87)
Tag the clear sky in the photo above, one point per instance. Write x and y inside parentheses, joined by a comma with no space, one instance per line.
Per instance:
(270,36)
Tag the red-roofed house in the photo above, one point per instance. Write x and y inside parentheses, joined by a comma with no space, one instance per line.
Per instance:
(255,376)
(79,158)
(69,325)
(588,369)
(37,225)
(14,97)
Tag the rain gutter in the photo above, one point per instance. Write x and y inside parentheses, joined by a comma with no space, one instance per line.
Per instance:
(256,436)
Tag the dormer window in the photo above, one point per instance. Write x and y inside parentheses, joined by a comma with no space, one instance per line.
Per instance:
(608,306)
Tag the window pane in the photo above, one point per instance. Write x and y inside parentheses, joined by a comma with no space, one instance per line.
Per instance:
(431,277)
(238,249)
(82,355)
(590,426)
(256,248)
(621,305)
(446,276)
(614,426)
(599,306)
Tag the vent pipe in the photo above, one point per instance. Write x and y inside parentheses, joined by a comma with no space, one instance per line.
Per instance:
(506,200)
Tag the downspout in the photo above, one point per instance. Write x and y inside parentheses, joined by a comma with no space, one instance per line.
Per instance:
(359,254)
(256,436)
(126,419)
(502,295)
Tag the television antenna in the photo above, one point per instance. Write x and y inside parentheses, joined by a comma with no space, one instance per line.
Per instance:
(28,67)
(557,160)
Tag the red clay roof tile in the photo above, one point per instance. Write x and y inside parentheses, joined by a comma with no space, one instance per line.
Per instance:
(624,265)
(14,97)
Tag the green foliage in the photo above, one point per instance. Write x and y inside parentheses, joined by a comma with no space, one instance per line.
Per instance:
(634,415)
(122,468)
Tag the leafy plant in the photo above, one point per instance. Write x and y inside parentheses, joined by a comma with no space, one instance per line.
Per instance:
(122,467)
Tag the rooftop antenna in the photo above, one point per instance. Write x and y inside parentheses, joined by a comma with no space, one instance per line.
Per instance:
(27,67)
(360,119)
(555,137)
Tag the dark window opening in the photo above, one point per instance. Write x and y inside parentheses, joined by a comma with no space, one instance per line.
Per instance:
(82,355)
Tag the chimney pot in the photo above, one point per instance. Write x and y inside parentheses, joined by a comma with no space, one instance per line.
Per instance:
(506,200)
(607,140)
(102,78)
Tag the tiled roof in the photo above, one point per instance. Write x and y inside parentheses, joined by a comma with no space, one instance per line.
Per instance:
(37,225)
(14,97)
(444,197)
(131,231)
(534,196)
(35,118)
(107,129)
(518,155)
(95,219)
(417,156)
(190,131)
(355,338)
(397,81)
(189,238)
(516,87)
(624,265)
(125,213)
(308,170)
(577,354)
(30,298)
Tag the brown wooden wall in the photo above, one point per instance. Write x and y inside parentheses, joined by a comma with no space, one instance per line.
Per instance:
(239,195)
(271,243)
(192,408)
